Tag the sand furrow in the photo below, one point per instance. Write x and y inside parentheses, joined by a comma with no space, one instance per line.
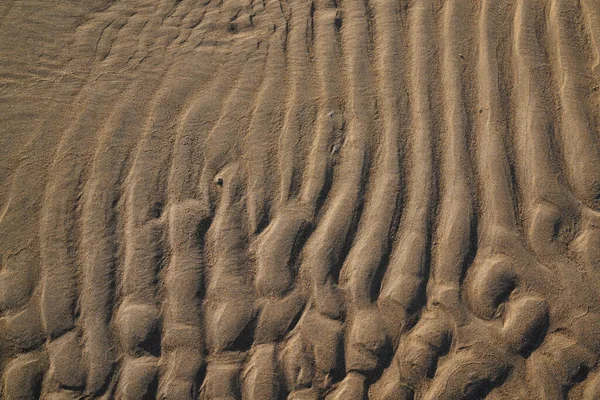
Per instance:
(493,164)
(234,115)
(579,141)
(277,249)
(265,124)
(534,131)
(329,121)
(59,221)
(60,241)
(456,224)
(183,337)
(406,275)
(325,247)
(21,205)
(229,303)
(182,344)
(367,344)
(65,352)
(99,241)
(138,319)
(184,278)
(300,110)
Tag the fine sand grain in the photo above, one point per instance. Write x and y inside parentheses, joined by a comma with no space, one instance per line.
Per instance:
(300,199)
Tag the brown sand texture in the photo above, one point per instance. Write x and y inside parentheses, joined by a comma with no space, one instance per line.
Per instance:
(300,199)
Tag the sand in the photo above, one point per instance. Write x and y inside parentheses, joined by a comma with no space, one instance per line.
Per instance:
(292,199)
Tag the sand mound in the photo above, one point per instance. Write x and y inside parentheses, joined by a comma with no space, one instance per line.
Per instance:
(238,199)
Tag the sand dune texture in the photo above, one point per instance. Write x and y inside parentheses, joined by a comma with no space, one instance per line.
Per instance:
(271,199)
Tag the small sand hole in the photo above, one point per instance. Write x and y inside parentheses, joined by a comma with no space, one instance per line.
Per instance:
(156,210)
(338,22)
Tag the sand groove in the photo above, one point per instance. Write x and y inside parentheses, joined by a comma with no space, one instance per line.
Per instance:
(308,199)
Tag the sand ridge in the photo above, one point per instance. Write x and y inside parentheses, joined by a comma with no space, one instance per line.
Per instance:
(301,199)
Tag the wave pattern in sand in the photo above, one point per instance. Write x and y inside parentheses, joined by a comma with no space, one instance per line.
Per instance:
(352,199)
